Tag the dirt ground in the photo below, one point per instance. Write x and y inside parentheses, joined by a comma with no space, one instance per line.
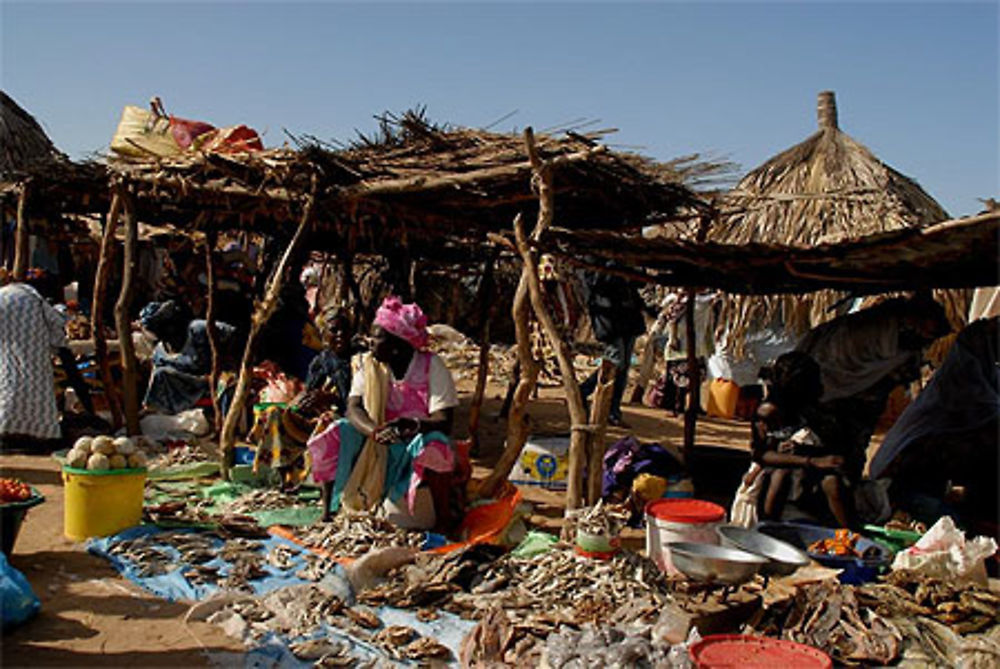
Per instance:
(92,616)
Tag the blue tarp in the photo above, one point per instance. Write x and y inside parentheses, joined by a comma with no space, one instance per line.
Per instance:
(173,586)
(272,652)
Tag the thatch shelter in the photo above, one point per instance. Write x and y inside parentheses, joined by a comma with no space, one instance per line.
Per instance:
(828,189)
(39,181)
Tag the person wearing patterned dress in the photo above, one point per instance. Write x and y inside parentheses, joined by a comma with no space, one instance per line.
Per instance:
(31,331)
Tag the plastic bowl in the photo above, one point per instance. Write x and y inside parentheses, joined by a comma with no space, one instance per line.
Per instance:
(11,516)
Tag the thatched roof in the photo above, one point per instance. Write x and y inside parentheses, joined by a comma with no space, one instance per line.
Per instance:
(434,188)
(58,184)
(24,146)
(829,188)
(962,253)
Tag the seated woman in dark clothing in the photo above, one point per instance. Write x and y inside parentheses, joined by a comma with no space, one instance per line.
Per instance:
(796,443)
(182,359)
(281,433)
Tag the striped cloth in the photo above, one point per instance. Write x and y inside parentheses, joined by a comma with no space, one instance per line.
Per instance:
(29,331)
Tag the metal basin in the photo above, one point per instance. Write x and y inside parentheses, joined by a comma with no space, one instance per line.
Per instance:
(782,558)
(714,564)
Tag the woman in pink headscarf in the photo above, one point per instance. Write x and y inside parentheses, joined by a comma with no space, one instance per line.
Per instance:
(399,413)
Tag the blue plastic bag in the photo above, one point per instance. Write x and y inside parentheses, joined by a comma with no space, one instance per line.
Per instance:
(18,602)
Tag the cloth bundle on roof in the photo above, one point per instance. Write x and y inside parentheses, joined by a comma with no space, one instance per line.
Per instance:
(143,132)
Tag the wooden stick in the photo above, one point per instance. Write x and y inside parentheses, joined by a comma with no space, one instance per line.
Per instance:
(262,313)
(486,309)
(517,419)
(213,334)
(22,237)
(694,371)
(122,321)
(599,411)
(104,264)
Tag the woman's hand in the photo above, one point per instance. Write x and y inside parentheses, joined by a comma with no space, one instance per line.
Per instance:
(386,434)
(827,462)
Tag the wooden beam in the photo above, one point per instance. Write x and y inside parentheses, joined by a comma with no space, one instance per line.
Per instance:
(262,313)
(130,391)
(22,236)
(104,264)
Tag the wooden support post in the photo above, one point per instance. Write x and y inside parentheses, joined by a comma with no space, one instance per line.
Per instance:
(694,371)
(517,420)
(22,236)
(104,264)
(130,391)
(262,313)
(486,310)
(213,334)
(599,411)
(694,375)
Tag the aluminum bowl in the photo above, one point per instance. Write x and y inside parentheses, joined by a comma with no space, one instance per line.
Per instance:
(782,558)
(714,564)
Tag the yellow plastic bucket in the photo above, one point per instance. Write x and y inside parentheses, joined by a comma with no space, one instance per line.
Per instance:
(101,503)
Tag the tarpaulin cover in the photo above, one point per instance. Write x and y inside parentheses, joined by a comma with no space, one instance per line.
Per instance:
(173,586)
(223,493)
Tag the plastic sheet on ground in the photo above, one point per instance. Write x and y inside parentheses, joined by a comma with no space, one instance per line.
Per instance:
(173,586)
(223,493)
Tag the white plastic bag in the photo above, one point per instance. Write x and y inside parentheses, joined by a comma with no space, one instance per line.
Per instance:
(744,511)
(943,552)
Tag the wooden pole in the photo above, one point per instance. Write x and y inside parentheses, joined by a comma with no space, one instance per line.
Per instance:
(104,264)
(599,411)
(213,334)
(694,375)
(579,426)
(517,419)
(122,321)
(486,310)
(262,313)
(694,371)
(22,236)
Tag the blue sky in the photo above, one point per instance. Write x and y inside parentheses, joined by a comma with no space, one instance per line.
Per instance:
(916,82)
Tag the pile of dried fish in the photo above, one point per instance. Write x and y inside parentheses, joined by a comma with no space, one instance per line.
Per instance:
(539,594)
(263,499)
(828,616)
(182,454)
(160,553)
(354,534)
(307,612)
(965,607)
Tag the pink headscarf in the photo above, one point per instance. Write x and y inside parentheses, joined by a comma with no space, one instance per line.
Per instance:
(406,321)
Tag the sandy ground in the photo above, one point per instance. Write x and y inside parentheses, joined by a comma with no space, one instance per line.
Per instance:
(92,616)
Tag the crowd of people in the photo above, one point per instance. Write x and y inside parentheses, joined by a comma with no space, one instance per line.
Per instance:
(368,415)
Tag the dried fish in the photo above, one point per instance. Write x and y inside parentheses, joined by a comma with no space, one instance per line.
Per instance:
(363,617)
(354,534)
(426,648)
(315,649)
(394,635)
(282,557)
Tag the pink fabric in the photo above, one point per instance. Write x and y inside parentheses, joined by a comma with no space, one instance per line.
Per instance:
(324,449)
(406,321)
(436,456)
(410,398)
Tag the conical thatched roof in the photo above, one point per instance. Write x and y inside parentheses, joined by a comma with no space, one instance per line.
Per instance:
(827,189)
(24,146)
